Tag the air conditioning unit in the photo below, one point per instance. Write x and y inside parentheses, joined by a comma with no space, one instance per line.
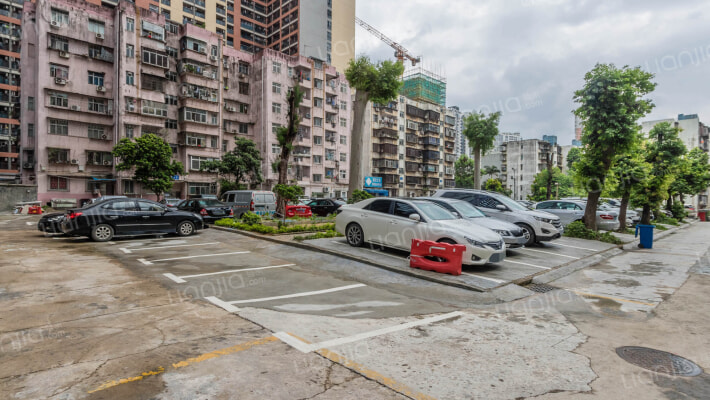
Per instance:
(74,162)
(74,107)
(27,165)
(107,162)
(104,136)
(55,24)
(231,109)
(100,36)
(81,168)
(60,81)
(201,49)
(214,58)
(131,107)
(100,89)
(325,189)
(63,54)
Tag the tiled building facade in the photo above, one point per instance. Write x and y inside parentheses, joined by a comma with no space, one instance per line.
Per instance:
(10,81)
(97,75)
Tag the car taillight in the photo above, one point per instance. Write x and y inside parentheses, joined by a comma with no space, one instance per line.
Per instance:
(73,214)
(251,206)
(203,212)
(605,216)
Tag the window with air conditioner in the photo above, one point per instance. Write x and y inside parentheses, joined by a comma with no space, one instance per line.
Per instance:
(98,105)
(96,27)
(59,71)
(96,131)
(60,17)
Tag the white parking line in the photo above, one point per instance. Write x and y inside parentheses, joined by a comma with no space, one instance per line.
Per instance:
(181,279)
(146,262)
(484,277)
(129,251)
(557,243)
(522,263)
(307,348)
(302,294)
(549,252)
(30,223)
(222,304)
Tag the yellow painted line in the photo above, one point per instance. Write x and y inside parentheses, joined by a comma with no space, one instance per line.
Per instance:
(614,298)
(369,374)
(189,361)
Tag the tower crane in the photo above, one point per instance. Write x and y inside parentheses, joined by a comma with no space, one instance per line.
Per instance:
(399,51)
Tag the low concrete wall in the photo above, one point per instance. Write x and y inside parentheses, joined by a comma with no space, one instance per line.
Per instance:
(11,194)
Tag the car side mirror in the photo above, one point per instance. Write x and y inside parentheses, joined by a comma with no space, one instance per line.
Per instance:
(501,207)
(415,217)
(456,213)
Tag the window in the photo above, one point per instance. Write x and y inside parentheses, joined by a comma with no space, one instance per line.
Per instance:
(129,131)
(58,156)
(318,140)
(317,159)
(172,100)
(171,124)
(130,78)
(343,157)
(343,139)
(225,143)
(243,108)
(213,51)
(97,105)
(343,174)
(154,8)
(96,131)
(96,78)
(130,51)
(244,129)
(343,122)
(276,67)
(317,102)
(128,187)
(154,108)
(96,27)
(58,71)
(58,43)
(195,115)
(403,210)
(30,130)
(243,88)
(243,67)
(61,17)
(201,188)
(317,178)
(172,52)
(171,28)
(317,121)
(275,128)
(57,183)
(330,155)
(128,205)
(486,202)
(382,206)
(31,103)
(172,76)
(156,59)
(276,108)
(343,105)
(130,24)
(59,127)
(165,12)
(343,88)
(196,163)
(99,158)
(213,142)
(276,88)
(318,83)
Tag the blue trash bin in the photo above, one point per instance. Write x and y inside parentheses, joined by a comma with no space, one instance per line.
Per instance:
(646,232)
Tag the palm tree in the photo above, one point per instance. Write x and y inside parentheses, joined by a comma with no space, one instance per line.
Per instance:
(490,170)
(480,130)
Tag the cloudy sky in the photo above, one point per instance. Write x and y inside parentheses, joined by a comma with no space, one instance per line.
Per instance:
(527,57)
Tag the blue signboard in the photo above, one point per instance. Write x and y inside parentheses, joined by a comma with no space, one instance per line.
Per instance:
(373,182)
(176,177)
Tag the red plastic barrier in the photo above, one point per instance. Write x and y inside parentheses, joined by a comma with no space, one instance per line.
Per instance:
(34,210)
(451,256)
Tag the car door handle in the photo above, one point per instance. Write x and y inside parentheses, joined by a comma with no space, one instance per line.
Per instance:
(393,222)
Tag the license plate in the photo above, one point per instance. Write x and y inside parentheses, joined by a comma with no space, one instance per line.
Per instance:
(496,257)
(301,210)
(218,212)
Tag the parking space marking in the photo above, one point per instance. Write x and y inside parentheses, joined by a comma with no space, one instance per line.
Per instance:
(302,294)
(146,262)
(222,304)
(30,223)
(484,277)
(522,263)
(549,252)
(181,279)
(557,243)
(129,251)
(307,348)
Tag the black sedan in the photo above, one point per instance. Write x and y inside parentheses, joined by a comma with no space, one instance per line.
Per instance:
(51,223)
(128,217)
(324,207)
(211,210)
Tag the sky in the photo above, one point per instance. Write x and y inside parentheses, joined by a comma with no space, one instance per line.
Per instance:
(526,58)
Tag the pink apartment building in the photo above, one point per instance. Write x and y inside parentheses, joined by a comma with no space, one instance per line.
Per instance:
(96,75)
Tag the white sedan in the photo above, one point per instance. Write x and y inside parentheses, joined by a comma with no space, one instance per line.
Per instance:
(395,222)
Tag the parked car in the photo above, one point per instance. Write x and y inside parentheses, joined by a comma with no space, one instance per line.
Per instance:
(51,223)
(298,210)
(257,201)
(128,217)
(690,209)
(632,217)
(211,210)
(537,226)
(324,207)
(526,203)
(511,233)
(395,222)
(171,202)
(102,198)
(570,211)
(204,196)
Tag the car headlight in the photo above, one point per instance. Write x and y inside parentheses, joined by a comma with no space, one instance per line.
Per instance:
(502,232)
(474,242)
(541,219)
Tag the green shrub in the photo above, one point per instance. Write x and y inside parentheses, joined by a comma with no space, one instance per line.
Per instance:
(578,230)
(250,218)
(663,219)
(319,235)
(270,230)
(359,195)
(678,211)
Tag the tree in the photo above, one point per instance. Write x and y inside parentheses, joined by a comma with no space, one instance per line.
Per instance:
(463,172)
(480,131)
(150,157)
(358,196)
(284,194)
(572,157)
(611,104)
(242,164)
(662,152)
(562,183)
(693,176)
(490,170)
(495,185)
(379,83)
(285,136)
(628,171)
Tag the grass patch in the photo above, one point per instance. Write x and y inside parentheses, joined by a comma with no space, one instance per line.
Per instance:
(319,235)
(271,230)
(629,231)
(661,227)
(663,219)
(578,230)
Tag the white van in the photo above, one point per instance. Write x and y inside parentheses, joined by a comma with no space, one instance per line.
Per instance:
(259,202)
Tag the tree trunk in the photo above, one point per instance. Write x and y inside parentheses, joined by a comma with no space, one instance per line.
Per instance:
(622,210)
(292,121)
(477,167)
(590,212)
(357,142)
(669,201)
(646,215)
(548,195)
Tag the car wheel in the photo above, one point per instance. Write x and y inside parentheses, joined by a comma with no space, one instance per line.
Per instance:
(447,241)
(529,233)
(185,228)
(102,233)
(354,235)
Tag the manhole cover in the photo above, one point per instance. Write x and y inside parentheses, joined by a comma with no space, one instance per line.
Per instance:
(540,287)
(658,361)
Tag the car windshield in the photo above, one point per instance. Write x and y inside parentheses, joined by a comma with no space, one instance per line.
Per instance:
(512,204)
(210,203)
(467,210)
(434,211)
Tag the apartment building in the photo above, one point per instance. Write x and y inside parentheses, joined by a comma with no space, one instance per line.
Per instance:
(10,81)
(461,143)
(97,75)
(519,162)
(412,147)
